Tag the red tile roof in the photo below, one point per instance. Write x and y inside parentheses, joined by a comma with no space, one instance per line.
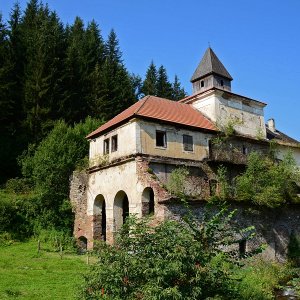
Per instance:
(159,109)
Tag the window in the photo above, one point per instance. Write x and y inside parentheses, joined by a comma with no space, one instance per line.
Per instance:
(202,83)
(161,139)
(114,143)
(222,83)
(106,146)
(245,150)
(187,142)
(242,247)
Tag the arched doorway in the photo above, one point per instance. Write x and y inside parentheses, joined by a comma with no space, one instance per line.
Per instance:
(121,209)
(147,201)
(82,243)
(99,218)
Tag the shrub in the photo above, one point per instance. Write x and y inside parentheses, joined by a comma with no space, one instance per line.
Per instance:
(174,260)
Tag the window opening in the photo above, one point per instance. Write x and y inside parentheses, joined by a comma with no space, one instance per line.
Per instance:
(245,150)
(222,83)
(161,139)
(242,247)
(106,146)
(202,83)
(114,143)
(187,142)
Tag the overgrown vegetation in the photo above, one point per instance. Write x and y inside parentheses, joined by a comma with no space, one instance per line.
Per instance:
(174,260)
(40,198)
(268,182)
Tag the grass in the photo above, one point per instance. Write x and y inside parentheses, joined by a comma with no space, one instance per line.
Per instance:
(24,274)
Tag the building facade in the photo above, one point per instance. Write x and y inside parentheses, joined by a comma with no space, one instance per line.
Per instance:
(132,156)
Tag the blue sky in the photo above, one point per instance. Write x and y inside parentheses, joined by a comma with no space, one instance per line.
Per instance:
(257,41)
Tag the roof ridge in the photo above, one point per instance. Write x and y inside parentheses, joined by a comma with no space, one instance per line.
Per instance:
(145,100)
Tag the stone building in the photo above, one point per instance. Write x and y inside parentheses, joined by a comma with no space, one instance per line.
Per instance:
(132,156)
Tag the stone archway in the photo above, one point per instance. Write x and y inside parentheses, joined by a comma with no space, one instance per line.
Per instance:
(99,218)
(82,243)
(120,210)
(148,201)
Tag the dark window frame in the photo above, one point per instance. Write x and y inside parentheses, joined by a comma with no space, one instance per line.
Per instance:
(114,143)
(188,142)
(161,139)
(106,146)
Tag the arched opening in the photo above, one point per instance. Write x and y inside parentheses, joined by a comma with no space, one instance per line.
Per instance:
(147,202)
(82,243)
(121,209)
(99,218)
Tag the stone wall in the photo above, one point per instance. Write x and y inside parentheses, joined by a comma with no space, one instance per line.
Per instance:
(274,227)
(78,198)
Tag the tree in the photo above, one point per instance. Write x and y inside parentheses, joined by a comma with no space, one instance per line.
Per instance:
(178,92)
(149,86)
(50,165)
(163,86)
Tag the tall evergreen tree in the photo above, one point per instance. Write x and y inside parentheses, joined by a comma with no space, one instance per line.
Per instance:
(113,88)
(149,86)
(163,86)
(74,107)
(43,36)
(178,92)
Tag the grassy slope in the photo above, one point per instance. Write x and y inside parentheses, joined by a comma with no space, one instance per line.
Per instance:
(26,275)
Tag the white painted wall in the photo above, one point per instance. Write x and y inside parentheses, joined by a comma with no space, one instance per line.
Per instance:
(126,143)
(248,115)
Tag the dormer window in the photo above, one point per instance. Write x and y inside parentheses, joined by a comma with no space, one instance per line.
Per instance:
(106,146)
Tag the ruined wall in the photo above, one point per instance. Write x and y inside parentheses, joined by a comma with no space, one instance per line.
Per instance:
(78,198)
(273,226)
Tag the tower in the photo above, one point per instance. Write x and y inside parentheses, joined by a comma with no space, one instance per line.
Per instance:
(210,73)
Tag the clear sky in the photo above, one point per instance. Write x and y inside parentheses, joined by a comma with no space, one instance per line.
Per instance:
(258,41)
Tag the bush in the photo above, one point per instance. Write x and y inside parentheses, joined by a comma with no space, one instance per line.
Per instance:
(174,260)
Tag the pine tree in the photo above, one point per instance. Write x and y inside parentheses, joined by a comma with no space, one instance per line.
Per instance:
(163,86)
(113,89)
(149,86)
(43,40)
(178,92)
(74,107)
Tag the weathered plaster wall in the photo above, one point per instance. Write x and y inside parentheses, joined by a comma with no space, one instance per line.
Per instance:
(174,141)
(126,143)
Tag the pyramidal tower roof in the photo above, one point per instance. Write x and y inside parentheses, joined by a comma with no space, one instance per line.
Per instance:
(210,64)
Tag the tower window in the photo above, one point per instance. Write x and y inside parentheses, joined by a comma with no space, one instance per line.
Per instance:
(114,143)
(202,83)
(161,139)
(187,142)
(106,146)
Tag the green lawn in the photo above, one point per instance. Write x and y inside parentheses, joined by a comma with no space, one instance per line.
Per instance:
(26,275)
